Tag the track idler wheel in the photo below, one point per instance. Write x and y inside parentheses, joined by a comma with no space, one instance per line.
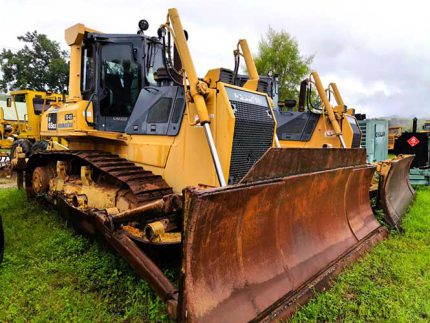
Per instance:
(40,179)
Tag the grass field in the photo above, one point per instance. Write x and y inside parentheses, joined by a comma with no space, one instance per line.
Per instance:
(52,274)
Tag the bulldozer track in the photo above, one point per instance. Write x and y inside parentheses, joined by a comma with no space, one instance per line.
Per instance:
(144,184)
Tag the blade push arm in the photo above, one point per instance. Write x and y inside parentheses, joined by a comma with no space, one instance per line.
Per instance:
(328,108)
(337,96)
(252,82)
(197,88)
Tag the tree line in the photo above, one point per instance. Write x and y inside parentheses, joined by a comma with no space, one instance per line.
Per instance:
(42,65)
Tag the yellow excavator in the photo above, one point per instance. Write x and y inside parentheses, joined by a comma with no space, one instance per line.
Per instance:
(168,166)
(7,129)
(23,130)
(26,127)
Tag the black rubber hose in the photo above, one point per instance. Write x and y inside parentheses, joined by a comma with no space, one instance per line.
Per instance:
(310,105)
(303,95)
(1,240)
(167,64)
(236,67)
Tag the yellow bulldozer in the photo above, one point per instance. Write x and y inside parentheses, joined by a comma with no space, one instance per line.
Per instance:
(426,126)
(394,132)
(319,124)
(172,168)
(391,185)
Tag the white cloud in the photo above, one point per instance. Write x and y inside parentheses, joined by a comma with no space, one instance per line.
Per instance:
(376,51)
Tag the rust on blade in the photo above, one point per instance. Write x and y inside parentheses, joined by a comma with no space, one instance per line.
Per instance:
(248,247)
(395,192)
(281,162)
(287,306)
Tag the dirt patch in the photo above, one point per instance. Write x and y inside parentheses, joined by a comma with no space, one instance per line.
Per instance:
(7,182)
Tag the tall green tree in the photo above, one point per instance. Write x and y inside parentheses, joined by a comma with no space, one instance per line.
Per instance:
(40,65)
(278,53)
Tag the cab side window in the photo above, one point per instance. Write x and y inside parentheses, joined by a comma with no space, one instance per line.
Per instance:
(160,111)
(39,105)
(87,85)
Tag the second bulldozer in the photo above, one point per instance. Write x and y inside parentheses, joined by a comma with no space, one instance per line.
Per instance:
(319,124)
(170,168)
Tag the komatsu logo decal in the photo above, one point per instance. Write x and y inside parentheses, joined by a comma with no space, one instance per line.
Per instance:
(246,97)
(52,121)
(65,125)
(119,118)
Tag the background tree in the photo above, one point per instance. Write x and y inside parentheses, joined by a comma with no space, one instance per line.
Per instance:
(278,53)
(39,65)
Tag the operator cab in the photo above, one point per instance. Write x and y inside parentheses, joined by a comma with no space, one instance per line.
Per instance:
(129,84)
(300,125)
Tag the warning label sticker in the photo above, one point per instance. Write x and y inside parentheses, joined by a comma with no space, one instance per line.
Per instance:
(413,141)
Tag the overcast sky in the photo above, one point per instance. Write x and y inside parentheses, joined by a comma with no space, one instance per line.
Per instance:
(378,52)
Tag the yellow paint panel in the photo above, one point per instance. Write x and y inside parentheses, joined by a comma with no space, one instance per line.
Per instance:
(70,118)
(149,150)
(323,136)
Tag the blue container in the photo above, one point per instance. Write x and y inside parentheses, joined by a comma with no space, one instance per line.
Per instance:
(374,139)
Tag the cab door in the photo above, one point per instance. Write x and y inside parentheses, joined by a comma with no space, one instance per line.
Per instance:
(118,82)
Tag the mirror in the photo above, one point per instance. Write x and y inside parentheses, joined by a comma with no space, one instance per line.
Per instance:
(9,102)
(290,103)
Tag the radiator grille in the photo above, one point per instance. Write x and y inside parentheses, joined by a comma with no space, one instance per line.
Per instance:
(253,135)
(356,137)
(363,128)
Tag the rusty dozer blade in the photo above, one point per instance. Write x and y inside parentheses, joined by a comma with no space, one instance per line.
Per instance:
(395,192)
(256,250)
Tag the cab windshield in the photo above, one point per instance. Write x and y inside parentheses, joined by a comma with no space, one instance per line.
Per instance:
(120,78)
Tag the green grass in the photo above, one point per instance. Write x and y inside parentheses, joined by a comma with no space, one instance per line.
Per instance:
(52,274)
